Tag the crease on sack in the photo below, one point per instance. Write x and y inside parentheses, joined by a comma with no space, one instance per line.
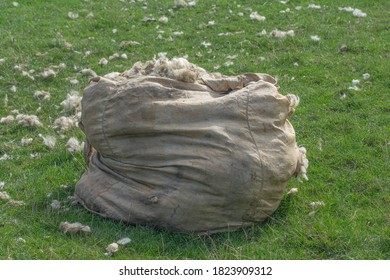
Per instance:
(104,124)
(251,135)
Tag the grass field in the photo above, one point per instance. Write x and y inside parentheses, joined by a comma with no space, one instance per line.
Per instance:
(338,63)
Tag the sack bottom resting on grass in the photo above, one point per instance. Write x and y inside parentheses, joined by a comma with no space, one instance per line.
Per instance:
(169,144)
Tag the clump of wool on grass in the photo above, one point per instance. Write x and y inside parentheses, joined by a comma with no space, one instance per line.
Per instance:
(73,228)
(74,146)
(7,120)
(64,123)
(256,16)
(88,72)
(72,101)
(4,196)
(303,164)
(48,74)
(26,142)
(45,95)
(282,34)
(112,248)
(292,191)
(49,141)
(355,12)
(28,120)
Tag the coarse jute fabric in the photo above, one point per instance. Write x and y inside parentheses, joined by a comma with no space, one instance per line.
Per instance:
(208,156)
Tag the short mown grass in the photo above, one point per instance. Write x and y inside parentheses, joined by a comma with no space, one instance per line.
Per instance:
(346,132)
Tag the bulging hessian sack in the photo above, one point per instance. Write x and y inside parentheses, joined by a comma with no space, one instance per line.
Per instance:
(173,146)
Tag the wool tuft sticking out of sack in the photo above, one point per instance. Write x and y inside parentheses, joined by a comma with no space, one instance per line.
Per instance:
(179,69)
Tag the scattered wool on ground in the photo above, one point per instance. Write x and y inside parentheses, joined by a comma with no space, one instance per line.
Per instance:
(262,33)
(45,95)
(74,146)
(28,120)
(5,100)
(315,38)
(281,34)
(359,13)
(293,191)
(314,6)
(114,56)
(180,4)
(74,81)
(16,202)
(48,73)
(7,120)
(26,142)
(20,239)
(317,204)
(285,11)
(256,16)
(88,72)
(49,141)
(320,144)
(28,75)
(5,157)
(124,241)
(103,61)
(20,67)
(55,204)
(72,200)
(303,164)
(73,228)
(355,12)
(72,101)
(64,123)
(73,15)
(312,213)
(354,87)
(206,44)
(163,19)
(4,196)
(124,44)
(35,156)
(90,15)
(39,54)
(112,248)
(192,3)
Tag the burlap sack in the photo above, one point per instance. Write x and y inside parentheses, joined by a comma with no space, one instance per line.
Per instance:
(209,155)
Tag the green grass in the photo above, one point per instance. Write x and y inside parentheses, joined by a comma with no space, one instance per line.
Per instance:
(347,139)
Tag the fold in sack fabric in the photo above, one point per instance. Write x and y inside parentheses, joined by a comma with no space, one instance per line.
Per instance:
(205,156)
